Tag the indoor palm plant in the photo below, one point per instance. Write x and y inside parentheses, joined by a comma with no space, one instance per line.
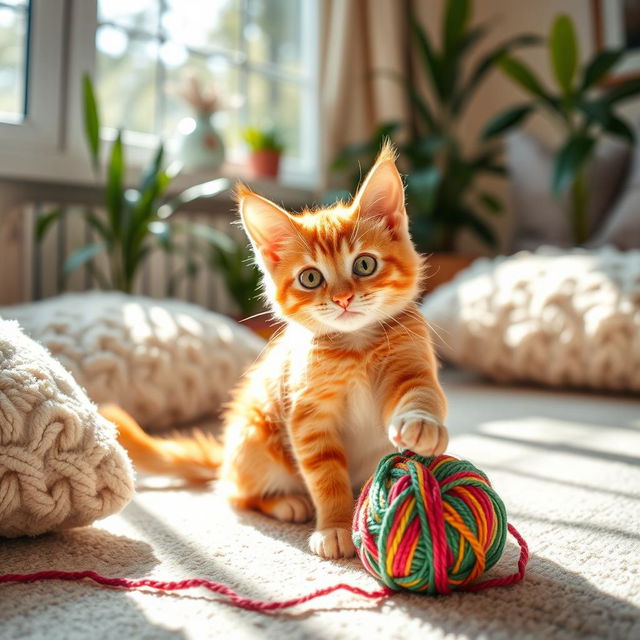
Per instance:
(444,195)
(135,221)
(583,109)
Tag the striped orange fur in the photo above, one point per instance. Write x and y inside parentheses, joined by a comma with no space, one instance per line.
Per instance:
(351,377)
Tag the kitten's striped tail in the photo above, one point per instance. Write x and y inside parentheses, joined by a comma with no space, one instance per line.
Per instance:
(195,457)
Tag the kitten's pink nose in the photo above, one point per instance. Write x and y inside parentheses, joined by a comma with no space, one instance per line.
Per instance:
(343,299)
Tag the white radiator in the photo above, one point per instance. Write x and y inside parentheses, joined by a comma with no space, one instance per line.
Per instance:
(42,263)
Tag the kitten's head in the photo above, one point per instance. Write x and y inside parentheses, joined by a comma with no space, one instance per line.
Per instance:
(340,268)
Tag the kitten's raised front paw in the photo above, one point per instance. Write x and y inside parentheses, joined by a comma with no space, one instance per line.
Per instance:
(420,432)
(332,543)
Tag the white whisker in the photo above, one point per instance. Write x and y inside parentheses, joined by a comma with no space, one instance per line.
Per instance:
(382,324)
(257,315)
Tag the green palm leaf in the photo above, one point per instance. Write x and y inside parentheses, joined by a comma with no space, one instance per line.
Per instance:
(456,19)
(115,184)
(598,68)
(563,51)
(486,64)
(80,256)
(45,221)
(506,120)
(522,75)
(569,160)
(91,121)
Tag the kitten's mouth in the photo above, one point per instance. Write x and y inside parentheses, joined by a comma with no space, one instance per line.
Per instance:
(349,314)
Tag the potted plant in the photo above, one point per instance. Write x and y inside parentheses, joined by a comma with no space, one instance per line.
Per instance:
(135,221)
(583,109)
(443,192)
(265,149)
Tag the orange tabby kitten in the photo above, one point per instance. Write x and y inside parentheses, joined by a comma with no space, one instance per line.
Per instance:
(351,378)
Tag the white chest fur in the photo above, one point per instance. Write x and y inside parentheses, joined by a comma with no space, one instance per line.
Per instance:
(365,437)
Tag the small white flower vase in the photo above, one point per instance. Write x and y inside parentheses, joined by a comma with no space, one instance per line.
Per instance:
(199,147)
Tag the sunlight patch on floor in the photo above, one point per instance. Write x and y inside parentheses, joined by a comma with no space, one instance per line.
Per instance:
(598,438)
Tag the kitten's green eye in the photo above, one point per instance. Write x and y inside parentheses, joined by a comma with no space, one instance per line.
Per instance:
(364,265)
(310,278)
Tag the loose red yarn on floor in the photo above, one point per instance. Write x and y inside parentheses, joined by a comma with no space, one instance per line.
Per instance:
(234,598)
(249,603)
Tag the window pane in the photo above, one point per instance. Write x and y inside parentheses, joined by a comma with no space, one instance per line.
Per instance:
(204,24)
(276,104)
(142,15)
(139,67)
(13,49)
(273,33)
(213,72)
(126,70)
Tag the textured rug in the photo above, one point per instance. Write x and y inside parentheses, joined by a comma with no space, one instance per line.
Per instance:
(567,466)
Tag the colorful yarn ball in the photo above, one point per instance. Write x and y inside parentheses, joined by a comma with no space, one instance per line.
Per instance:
(429,524)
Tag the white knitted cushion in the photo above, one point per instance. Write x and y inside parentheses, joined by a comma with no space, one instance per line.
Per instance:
(164,361)
(552,317)
(60,464)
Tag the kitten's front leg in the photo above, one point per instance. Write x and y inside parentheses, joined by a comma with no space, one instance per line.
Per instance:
(323,463)
(414,411)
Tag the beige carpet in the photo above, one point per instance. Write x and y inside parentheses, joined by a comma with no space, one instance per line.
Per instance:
(567,466)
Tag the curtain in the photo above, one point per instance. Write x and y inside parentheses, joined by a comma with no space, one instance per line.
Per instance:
(363,42)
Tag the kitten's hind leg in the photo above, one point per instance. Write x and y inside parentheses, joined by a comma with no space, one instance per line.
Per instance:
(260,473)
(288,508)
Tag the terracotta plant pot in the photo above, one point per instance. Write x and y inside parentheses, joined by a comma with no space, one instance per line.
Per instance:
(264,164)
(442,267)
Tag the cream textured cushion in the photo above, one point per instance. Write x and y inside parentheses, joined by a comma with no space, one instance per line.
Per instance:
(164,361)
(552,317)
(60,464)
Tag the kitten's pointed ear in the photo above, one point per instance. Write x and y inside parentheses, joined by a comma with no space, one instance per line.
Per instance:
(267,225)
(381,195)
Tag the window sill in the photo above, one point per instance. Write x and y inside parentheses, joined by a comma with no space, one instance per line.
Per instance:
(55,175)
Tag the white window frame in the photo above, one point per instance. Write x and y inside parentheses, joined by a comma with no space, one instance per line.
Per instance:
(38,135)
(49,145)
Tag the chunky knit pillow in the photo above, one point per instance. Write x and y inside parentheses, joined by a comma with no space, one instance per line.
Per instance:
(60,464)
(164,361)
(560,318)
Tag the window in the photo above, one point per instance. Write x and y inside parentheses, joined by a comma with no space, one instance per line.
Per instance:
(14,37)
(31,55)
(260,56)
(249,51)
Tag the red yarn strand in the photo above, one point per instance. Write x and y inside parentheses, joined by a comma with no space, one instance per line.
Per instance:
(504,581)
(244,603)
(252,604)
